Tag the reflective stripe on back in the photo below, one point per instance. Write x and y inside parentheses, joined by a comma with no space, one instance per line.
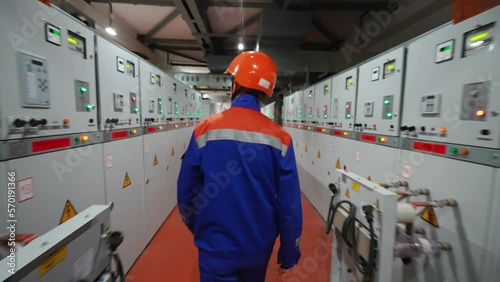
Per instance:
(242,136)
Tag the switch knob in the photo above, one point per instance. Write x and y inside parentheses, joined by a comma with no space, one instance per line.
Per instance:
(422,128)
(33,122)
(412,128)
(485,132)
(19,123)
(108,120)
(43,121)
(404,128)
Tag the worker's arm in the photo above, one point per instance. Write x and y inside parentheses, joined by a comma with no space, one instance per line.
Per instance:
(290,211)
(189,183)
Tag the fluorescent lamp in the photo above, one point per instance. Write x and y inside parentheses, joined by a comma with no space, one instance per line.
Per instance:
(111,30)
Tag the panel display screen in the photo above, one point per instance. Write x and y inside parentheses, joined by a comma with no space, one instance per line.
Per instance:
(77,43)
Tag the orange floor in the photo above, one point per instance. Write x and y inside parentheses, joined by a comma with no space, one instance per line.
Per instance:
(172,256)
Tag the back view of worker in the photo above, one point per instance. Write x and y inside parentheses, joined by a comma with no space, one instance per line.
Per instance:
(238,187)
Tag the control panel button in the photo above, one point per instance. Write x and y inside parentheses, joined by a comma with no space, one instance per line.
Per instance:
(485,132)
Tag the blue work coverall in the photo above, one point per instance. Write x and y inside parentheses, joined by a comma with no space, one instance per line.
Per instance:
(238,189)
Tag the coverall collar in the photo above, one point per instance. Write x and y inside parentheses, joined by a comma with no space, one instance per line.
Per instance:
(246,101)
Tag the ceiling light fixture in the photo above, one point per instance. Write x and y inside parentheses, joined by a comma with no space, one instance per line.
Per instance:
(110,28)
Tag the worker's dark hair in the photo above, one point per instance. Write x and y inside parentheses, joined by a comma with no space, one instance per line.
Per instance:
(243,90)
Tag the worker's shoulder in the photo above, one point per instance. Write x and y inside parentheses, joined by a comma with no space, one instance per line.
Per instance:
(203,126)
(274,128)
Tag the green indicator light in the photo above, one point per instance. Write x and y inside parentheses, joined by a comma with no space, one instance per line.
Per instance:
(195,114)
(300,111)
(136,110)
(389,114)
(89,107)
(121,62)
(77,139)
(160,102)
(299,116)
(187,113)
(325,116)
(348,115)
(479,37)
(387,101)
(83,89)
(176,113)
(176,105)
(445,48)
(310,116)
(161,111)
(55,32)
(375,71)
(390,67)
(292,116)
(454,150)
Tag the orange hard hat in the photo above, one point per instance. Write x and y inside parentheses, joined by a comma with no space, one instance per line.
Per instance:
(254,70)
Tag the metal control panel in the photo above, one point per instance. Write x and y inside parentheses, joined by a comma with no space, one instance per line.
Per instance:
(454,98)
(308,104)
(361,193)
(118,86)
(50,88)
(169,90)
(297,107)
(284,110)
(198,114)
(181,102)
(191,110)
(379,94)
(323,94)
(152,94)
(343,103)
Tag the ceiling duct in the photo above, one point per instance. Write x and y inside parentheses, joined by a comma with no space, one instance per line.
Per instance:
(284,29)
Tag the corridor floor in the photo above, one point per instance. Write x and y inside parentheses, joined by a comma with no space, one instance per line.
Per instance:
(172,256)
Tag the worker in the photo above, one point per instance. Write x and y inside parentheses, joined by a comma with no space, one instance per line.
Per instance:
(238,187)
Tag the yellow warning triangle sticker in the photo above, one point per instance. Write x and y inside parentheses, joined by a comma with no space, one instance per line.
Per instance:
(305,148)
(155,162)
(347,194)
(369,178)
(173,152)
(319,154)
(68,212)
(337,165)
(126,181)
(430,216)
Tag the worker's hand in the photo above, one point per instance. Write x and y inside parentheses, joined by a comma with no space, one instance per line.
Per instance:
(282,270)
